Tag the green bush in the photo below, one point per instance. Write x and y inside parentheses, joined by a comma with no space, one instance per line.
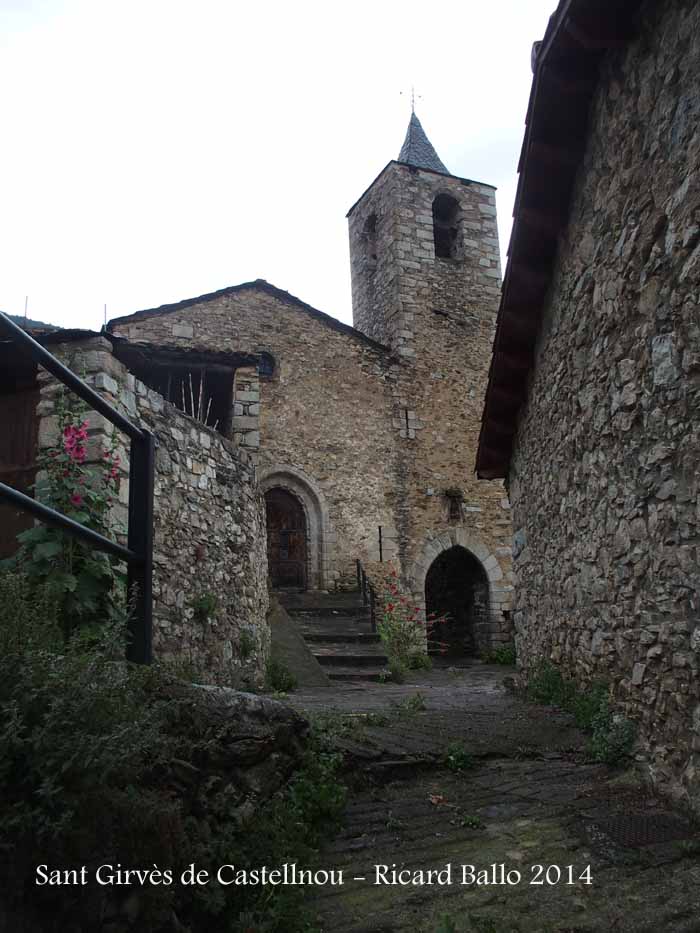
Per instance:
(397,671)
(204,606)
(457,758)
(402,630)
(420,662)
(612,737)
(97,758)
(278,677)
(502,654)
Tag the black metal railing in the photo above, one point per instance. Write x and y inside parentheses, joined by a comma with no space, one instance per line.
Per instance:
(369,596)
(138,553)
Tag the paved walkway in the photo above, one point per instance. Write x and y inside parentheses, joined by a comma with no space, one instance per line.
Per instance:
(525,797)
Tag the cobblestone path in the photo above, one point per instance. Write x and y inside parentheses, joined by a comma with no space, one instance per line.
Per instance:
(525,797)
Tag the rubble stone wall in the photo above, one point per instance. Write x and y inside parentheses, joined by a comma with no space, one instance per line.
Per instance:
(605,484)
(209,559)
(319,425)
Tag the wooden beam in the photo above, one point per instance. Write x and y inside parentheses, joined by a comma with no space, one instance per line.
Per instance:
(502,428)
(500,396)
(514,361)
(535,279)
(597,39)
(492,463)
(523,320)
(566,85)
(554,155)
(542,221)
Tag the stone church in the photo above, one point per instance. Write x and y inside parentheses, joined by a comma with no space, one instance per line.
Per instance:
(362,439)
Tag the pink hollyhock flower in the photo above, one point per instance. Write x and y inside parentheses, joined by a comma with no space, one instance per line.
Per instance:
(76,499)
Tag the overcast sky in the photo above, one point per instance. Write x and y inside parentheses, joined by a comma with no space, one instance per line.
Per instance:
(154,150)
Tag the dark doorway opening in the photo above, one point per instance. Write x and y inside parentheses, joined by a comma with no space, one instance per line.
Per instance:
(286,539)
(457,592)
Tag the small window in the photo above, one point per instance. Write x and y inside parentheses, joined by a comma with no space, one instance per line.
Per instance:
(266,365)
(446,226)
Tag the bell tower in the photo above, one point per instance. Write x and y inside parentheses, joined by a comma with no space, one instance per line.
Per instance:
(423,244)
(426,283)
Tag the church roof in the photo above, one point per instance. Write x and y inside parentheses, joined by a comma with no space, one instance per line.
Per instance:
(418,150)
(259,285)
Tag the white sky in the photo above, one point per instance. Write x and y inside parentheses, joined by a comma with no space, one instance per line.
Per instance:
(154,150)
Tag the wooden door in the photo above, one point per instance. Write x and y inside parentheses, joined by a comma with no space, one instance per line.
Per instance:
(286,539)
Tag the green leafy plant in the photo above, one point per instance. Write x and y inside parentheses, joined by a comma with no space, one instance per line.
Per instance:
(404,631)
(501,654)
(612,736)
(457,758)
(204,606)
(104,762)
(376,719)
(468,821)
(411,705)
(420,662)
(85,585)
(246,645)
(446,925)
(278,677)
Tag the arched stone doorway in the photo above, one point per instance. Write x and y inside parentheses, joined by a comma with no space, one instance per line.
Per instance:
(286,539)
(457,592)
(319,533)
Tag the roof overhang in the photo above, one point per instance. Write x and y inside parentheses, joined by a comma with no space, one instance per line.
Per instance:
(566,67)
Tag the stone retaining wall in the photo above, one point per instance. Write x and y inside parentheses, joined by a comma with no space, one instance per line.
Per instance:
(209,560)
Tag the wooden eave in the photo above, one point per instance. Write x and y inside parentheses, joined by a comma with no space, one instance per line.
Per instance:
(579,34)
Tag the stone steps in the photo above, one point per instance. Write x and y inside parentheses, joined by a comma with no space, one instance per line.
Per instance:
(337,630)
(353,674)
(331,637)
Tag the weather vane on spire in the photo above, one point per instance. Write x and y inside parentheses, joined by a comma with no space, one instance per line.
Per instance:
(414,96)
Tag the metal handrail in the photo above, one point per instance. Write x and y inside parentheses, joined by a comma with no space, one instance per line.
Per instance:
(139,552)
(369,595)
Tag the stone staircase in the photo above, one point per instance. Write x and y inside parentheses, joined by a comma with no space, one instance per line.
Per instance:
(337,629)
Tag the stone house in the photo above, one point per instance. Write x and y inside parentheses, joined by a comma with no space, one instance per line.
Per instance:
(591,412)
(361,439)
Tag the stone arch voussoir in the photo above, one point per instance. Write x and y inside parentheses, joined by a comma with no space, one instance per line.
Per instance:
(498,597)
(319,551)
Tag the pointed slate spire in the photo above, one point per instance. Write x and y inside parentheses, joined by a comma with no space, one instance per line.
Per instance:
(418,150)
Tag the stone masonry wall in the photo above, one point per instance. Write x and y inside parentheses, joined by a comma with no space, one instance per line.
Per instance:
(210,566)
(604,482)
(439,318)
(320,425)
